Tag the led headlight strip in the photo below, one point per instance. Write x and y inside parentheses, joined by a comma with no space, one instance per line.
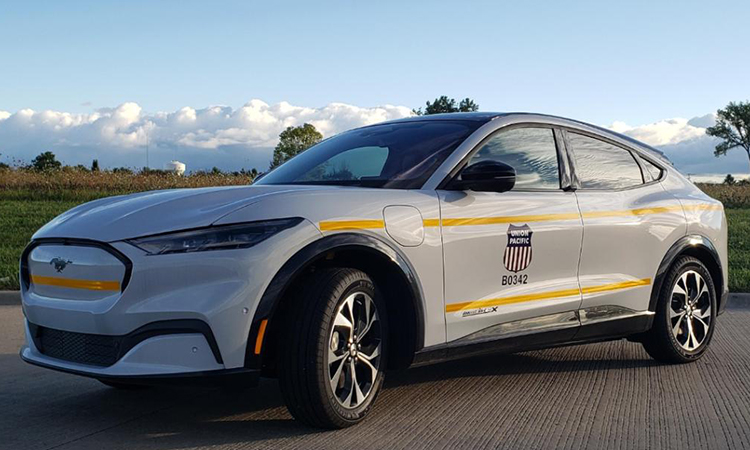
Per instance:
(225,237)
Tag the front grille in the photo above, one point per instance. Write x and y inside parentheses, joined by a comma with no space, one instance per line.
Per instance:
(93,349)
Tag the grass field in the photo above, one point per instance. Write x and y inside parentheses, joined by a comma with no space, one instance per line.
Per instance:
(27,203)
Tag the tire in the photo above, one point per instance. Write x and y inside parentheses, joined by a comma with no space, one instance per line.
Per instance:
(323,394)
(685,318)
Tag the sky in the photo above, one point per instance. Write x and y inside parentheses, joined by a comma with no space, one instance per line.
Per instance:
(213,83)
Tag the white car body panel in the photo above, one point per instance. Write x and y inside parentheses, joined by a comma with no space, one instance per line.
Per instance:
(627,233)
(474,257)
(346,210)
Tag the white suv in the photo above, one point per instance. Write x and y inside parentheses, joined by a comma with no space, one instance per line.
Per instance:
(384,247)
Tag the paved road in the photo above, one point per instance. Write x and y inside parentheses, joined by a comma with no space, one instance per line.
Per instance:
(602,395)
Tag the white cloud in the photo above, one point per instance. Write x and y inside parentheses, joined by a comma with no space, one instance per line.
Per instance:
(216,135)
(664,132)
(686,143)
(231,138)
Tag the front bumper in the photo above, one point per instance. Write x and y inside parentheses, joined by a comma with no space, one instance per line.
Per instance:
(158,349)
(153,318)
(240,377)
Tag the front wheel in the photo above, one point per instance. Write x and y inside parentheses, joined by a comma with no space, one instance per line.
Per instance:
(333,360)
(685,314)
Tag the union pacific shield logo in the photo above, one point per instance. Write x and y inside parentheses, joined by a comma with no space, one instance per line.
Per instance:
(517,256)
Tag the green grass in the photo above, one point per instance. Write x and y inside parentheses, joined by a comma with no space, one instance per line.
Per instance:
(20,218)
(739,249)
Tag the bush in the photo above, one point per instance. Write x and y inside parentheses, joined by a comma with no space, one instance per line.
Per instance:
(45,162)
(75,184)
(732,196)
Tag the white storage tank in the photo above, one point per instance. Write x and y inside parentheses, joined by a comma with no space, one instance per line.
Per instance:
(176,167)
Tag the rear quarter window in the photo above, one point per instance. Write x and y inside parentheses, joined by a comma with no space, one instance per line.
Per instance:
(652,170)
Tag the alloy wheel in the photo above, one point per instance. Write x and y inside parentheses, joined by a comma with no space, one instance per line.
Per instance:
(354,350)
(690,310)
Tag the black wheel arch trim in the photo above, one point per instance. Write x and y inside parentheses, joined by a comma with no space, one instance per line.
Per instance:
(685,243)
(314,252)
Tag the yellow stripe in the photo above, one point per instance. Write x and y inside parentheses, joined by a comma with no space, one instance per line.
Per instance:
(631,212)
(351,225)
(457,222)
(91,285)
(704,207)
(616,286)
(453,307)
(259,339)
(464,221)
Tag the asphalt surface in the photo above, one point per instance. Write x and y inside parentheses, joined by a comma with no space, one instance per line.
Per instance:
(594,396)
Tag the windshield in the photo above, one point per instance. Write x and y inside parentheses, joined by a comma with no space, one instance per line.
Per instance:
(397,156)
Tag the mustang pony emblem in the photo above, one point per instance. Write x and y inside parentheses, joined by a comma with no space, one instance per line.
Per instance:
(60,263)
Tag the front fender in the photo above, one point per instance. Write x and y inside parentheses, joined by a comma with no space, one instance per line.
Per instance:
(316,251)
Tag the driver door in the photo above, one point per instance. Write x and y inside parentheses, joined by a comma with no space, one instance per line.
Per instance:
(511,258)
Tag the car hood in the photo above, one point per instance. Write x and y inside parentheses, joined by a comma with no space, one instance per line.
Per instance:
(128,216)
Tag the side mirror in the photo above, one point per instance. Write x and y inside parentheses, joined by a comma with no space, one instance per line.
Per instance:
(486,176)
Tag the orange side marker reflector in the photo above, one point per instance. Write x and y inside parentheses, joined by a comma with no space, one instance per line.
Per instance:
(259,339)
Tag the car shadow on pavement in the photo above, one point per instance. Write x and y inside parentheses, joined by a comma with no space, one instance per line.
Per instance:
(542,361)
(184,417)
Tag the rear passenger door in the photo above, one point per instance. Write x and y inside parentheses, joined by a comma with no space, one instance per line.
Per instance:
(629,223)
(511,258)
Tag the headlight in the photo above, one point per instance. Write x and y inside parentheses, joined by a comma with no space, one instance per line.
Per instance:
(213,238)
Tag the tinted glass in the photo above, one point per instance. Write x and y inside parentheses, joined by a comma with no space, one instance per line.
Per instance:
(600,165)
(531,151)
(354,164)
(653,171)
(399,156)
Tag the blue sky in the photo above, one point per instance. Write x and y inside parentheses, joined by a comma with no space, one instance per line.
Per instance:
(632,62)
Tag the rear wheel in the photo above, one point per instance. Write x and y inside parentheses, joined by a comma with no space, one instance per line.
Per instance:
(685,314)
(333,359)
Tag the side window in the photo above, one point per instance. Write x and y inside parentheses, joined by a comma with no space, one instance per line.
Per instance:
(531,151)
(652,169)
(600,165)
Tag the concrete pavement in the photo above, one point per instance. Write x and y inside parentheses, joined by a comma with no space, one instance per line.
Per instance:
(594,396)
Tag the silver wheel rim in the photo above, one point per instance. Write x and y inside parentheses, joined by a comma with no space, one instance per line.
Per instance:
(690,310)
(354,349)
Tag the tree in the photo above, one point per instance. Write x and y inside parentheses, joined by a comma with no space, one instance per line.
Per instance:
(293,141)
(95,165)
(732,127)
(45,162)
(730,180)
(443,104)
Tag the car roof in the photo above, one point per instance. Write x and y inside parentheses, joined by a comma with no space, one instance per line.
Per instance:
(484,117)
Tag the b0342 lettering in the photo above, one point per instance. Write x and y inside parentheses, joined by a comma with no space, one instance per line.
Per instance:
(513,280)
